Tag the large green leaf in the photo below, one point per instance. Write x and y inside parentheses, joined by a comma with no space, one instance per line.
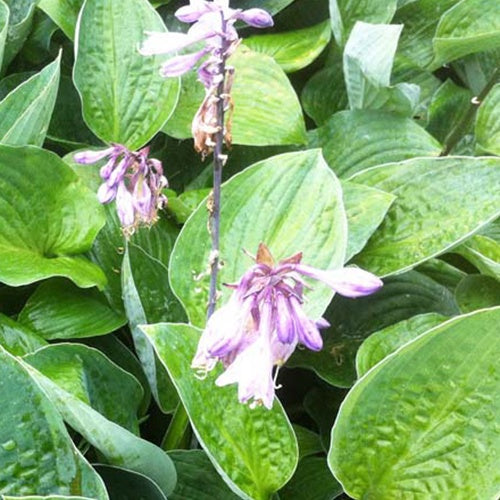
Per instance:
(407,431)
(91,377)
(429,215)
(63,12)
(51,497)
(197,477)
(25,113)
(59,310)
(468,27)
(298,207)
(345,13)
(125,100)
(48,217)
(368,59)
(293,50)
(353,141)
(478,292)
(266,108)
(36,452)
(254,450)
(384,342)
(312,480)
(352,321)
(488,122)
(119,446)
(365,209)
(17,339)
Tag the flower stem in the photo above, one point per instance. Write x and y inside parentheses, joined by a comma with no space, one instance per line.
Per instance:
(176,430)
(463,125)
(218,163)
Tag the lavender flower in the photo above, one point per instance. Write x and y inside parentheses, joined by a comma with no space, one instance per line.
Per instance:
(263,322)
(213,23)
(133,179)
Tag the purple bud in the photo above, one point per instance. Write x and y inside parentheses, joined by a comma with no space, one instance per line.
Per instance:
(258,18)
(178,65)
(105,194)
(118,174)
(88,157)
(306,329)
(143,199)
(284,322)
(192,12)
(106,171)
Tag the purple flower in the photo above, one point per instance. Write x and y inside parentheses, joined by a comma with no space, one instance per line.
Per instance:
(264,320)
(214,24)
(133,179)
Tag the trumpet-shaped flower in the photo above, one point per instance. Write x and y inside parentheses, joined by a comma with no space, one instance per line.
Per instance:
(264,320)
(133,179)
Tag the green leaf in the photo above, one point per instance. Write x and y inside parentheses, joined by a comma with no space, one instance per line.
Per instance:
(407,430)
(386,341)
(368,59)
(51,497)
(93,378)
(63,12)
(235,436)
(58,310)
(309,442)
(272,6)
(26,112)
(365,209)
(293,50)
(36,242)
(36,452)
(266,108)
(470,26)
(429,215)
(324,93)
(420,20)
(17,339)
(353,141)
(139,306)
(4,25)
(197,477)
(125,100)
(312,480)
(20,21)
(118,445)
(442,272)
(345,13)
(478,292)
(488,122)
(352,321)
(447,107)
(125,484)
(298,207)
(483,252)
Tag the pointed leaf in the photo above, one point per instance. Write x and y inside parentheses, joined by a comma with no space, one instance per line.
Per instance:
(429,215)
(26,112)
(478,292)
(235,437)
(488,122)
(17,339)
(125,100)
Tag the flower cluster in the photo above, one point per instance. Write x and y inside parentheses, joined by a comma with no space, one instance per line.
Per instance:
(133,179)
(264,321)
(214,25)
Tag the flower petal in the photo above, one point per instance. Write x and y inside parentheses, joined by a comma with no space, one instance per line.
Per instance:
(164,43)
(349,281)
(88,157)
(192,12)
(125,206)
(105,194)
(307,332)
(178,65)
